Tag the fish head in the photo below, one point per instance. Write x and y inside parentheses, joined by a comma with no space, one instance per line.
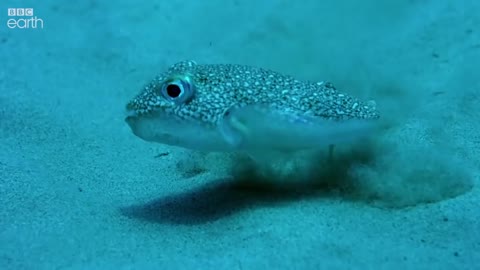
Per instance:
(178,108)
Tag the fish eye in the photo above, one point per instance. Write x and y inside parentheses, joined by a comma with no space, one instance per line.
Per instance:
(174,90)
(178,89)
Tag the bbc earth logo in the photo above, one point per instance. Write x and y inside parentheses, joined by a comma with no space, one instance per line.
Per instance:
(23,18)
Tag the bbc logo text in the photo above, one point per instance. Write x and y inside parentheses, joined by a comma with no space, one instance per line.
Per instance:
(22,18)
(20,12)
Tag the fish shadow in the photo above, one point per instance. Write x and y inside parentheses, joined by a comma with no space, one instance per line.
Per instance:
(224,197)
(216,200)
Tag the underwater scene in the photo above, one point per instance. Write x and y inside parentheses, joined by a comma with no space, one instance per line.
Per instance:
(229,134)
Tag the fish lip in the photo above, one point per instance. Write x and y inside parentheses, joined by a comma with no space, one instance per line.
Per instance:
(130,116)
(130,113)
(129,119)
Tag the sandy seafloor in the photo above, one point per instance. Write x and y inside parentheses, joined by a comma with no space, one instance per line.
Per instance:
(79,191)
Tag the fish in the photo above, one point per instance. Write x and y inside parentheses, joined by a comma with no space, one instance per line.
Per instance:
(241,108)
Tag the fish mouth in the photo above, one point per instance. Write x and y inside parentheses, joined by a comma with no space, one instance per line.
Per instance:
(130,113)
(169,129)
(135,120)
(130,120)
(151,127)
(130,117)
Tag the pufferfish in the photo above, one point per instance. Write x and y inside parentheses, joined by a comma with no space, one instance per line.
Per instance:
(238,108)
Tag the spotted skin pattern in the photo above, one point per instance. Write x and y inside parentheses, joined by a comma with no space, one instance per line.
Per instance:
(219,87)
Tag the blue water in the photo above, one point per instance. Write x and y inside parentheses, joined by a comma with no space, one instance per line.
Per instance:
(79,191)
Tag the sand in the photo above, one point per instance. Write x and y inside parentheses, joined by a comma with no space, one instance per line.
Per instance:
(79,191)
